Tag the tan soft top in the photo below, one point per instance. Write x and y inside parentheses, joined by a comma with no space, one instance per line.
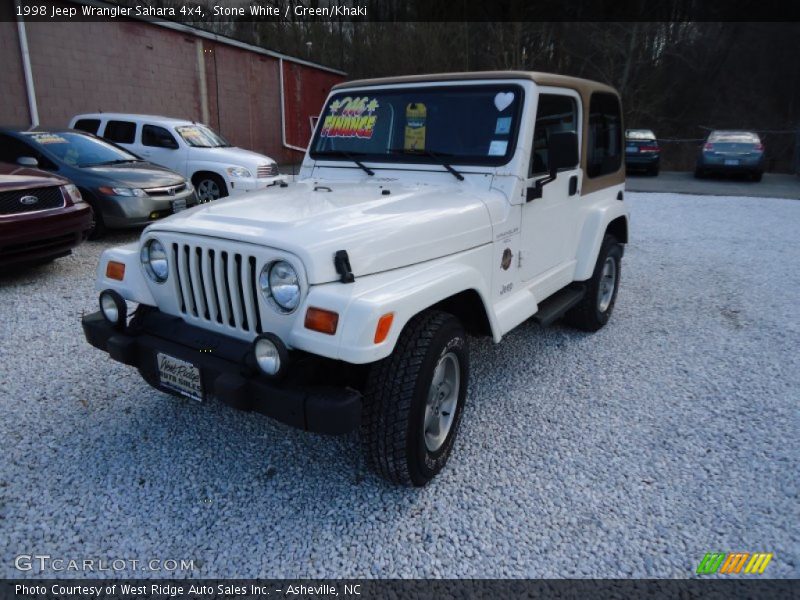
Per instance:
(584,88)
(574,83)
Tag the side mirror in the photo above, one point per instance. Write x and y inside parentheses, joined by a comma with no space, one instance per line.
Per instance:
(562,153)
(27,161)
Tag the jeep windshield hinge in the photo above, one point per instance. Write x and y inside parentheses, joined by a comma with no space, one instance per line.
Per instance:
(342,264)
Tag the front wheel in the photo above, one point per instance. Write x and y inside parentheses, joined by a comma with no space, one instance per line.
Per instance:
(414,398)
(209,187)
(594,310)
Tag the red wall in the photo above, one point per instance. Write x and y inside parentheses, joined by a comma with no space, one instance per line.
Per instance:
(305,90)
(131,66)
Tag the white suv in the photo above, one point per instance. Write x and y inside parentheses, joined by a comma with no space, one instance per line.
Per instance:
(427,208)
(192,149)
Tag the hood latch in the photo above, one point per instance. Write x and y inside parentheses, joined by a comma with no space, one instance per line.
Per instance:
(342,264)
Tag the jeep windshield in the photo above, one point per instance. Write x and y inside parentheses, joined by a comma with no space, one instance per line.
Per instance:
(464,125)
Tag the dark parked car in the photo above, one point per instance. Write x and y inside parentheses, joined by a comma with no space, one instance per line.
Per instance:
(642,151)
(728,152)
(123,190)
(42,216)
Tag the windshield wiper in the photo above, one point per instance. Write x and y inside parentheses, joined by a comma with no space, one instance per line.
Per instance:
(117,161)
(437,156)
(349,157)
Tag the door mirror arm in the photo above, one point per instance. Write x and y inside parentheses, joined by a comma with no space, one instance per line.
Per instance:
(535,191)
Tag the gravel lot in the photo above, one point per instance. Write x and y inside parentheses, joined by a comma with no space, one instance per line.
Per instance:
(632,452)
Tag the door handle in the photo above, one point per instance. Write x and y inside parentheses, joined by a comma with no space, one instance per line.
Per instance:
(573,185)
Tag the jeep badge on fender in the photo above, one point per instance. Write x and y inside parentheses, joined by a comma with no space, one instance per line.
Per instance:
(428,209)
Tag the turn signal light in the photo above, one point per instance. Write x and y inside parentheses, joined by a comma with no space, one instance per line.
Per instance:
(115,270)
(324,321)
(384,325)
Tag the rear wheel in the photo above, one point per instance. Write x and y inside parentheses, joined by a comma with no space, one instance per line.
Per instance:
(209,186)
(414,399)
(653,170)
(757,176)
(595,309)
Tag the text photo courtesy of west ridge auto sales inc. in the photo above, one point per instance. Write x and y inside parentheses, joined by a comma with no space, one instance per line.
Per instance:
(355,298)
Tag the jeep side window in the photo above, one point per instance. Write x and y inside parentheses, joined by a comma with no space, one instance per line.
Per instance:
(554,114)
(605,135)
(88,125)
(158,137)
(120,132)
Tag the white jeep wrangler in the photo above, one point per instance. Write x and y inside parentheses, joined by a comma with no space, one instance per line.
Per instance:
(427,208)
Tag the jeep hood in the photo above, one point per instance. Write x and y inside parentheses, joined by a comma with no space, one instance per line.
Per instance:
(412,224)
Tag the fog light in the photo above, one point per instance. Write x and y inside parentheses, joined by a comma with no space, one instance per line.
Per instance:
(270,353)
(114,308)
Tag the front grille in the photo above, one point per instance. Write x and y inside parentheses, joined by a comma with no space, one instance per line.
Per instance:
(267,171)
(217,286)
(169,190)
(45,199)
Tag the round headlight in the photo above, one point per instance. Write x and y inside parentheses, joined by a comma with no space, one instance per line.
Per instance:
(279,281)
(154,259)
(113,307)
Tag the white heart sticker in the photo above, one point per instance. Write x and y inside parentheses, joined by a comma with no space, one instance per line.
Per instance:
(503,100)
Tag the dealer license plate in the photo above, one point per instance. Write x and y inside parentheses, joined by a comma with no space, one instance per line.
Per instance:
(731,162)
(178,205)
(180,376)
(632,149)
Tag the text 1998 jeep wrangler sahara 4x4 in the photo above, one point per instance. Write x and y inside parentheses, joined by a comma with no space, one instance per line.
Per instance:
(426,208)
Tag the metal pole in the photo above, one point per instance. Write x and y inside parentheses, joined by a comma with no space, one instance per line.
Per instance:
(33,109)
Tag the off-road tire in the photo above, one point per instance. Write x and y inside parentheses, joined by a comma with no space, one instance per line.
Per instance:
(586,314)
(395,396)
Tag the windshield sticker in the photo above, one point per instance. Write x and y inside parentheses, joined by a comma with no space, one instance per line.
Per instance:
(503,125)
(503,100)
(48,138)
(193,135)
(415,127)
(498,148)
(350,117)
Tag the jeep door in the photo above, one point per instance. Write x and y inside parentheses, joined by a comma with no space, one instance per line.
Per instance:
(550,223)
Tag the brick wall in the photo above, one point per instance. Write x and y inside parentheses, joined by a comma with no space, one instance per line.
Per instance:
(130,66)
(13,99)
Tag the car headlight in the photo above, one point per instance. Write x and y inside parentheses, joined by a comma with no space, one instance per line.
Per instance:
(154,261)
(238,172)
(122,191)
(280,284)
(73,193)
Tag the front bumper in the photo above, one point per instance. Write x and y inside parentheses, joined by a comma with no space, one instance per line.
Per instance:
(227,371)
(31,237)
(133,211)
